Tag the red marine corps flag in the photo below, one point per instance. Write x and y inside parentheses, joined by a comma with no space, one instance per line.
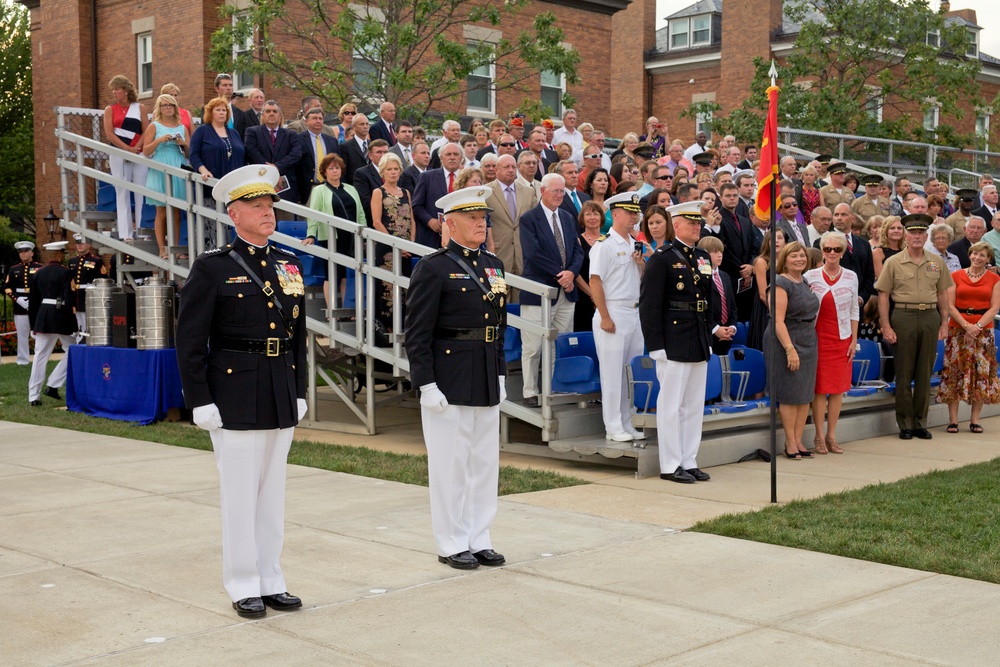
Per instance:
(767,173)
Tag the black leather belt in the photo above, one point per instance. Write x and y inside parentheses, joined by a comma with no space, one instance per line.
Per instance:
(696,306)
(271,347)
(487,334)
(974,311)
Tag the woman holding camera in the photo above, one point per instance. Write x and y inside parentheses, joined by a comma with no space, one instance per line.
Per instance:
(165,141)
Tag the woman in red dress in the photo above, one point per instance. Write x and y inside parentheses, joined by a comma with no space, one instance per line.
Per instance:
(837,337)
(970,357)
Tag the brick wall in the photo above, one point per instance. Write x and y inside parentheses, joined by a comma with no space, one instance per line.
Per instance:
(633,33)
(746,34)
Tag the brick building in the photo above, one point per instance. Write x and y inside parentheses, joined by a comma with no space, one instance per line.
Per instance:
(78,45)
(706,52)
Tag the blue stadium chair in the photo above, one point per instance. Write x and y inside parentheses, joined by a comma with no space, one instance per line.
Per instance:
(938,365)
(752,363)
(512,336)
(576,368)
(866,369)
(741,333)
(643,384)
(713,384)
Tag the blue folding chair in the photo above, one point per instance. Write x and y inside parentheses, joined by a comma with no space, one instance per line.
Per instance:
(576,369)
(866,369)
(741,334)
(713,384)
(512,336)
(938,365)
(643,384)
(751,362)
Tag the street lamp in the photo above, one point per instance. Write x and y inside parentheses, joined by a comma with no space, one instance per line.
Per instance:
(52,224)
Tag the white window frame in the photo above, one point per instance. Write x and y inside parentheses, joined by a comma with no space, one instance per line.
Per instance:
(557,110)
(361,67)
(686,22)
(932,114)
(874,106)
(144,58)
(239,85)
(708,40)
(933,38)
(472,45)
(972,43)
(702,122)
(983,134)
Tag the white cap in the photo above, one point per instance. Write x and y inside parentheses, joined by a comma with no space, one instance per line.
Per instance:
(688,209)
(466,199)
(56,245)
(249,182)
(743,172)
(24,245)
(628,201)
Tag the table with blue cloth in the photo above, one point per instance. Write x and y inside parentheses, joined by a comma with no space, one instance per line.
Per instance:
(123,383)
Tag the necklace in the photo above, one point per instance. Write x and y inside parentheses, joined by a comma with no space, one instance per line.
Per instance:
(229,146)
(840,270)
(975,276)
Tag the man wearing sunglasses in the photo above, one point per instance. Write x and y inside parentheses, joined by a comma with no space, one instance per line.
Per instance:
(788,222)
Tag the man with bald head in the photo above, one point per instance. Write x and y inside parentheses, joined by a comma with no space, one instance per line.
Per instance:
(858,256)
(509,200)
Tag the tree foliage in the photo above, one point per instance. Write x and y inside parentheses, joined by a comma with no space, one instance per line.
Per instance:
(849,57)
(17,166)
(409,52)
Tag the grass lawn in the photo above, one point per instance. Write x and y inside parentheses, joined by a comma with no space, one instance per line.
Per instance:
(942,521)
(362,461)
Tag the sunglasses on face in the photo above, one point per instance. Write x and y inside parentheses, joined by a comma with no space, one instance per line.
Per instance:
(350,113)
(836,250)
(592,156)
(789,206)
(664,178)
(507,144)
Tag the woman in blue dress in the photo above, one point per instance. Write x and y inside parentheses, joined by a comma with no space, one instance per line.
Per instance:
(165,141)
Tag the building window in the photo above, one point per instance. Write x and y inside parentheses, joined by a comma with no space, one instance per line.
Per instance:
(701,30)
(934,38)
(972,50)
(144,48)
(553,87)
(932,117)
(679,33)
(242,80)
(480,92)
(873,105)
(703,123)
(983,127)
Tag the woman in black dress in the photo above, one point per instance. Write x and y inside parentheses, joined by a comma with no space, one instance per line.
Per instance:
(759,318)
(590,219)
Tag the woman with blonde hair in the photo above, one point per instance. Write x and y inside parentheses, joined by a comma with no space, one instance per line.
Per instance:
(185,115)
(125,125)
(392,214)
(165,142)
(890,242)
(873,230)
(346,114)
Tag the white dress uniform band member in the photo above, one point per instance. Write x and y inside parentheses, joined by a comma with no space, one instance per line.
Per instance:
(616,269)
(455,322)
(241,348)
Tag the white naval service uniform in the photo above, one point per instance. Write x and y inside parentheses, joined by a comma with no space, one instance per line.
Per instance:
(611,260)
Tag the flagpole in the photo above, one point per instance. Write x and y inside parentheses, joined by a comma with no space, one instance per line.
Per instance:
(772,271)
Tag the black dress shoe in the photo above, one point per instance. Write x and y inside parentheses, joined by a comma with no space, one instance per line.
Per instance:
(906,434)
(460,561)
(281,601)
(52,392)
(680,475)
(530,402)
(922,433)
(489,557)
(36,403)
(698,474)
(250,608)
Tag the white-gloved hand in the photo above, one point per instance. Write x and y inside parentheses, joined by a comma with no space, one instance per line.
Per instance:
(207,417)
(22,301)
(300,403)
(432,398)
(658,355)
(503,387)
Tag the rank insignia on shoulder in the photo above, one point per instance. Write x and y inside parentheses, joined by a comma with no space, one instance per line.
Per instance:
(284,250)
(216,251)
(602,237)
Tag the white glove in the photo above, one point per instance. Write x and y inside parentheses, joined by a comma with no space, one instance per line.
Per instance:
(432,398)
(207,417)
(658,355)
(22,301)
(503,387)
(300,403)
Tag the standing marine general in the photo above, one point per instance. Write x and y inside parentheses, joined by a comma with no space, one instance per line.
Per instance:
(86,267)
(455,321)
(16,287)
(50,312)
(918,282)
(676,306)
(241,348)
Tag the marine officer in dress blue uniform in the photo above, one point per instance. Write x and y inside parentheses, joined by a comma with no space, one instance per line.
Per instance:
(86,267)
(50,314)
(455,321)
(675,307)
(241,348)
(16,287)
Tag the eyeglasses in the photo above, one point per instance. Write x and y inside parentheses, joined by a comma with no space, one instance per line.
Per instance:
(836,250)
(634,172)
(789,206)
(350,113)
(507,144)
(592,156)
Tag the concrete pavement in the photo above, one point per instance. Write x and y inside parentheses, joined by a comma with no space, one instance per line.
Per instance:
(110,555)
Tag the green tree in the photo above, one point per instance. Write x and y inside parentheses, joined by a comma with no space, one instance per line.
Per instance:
(403,51)
(852,56)
(17,168)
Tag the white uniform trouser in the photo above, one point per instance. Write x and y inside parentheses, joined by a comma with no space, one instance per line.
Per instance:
(133,173)
(463,461)
(44,344)
(531,344)
(615,351)
(22,324)
(81,325)
(680,412)
(252,489)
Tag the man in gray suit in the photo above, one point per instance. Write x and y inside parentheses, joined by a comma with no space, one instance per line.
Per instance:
(509,200)
(787,222)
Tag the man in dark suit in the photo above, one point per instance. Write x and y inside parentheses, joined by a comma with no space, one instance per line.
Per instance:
(736,233)
(269,143)
(550,246)
(421,155)
(367,179)
(434,184)
(974,230)
(536,145)
(50,313)
(497,130)
(789,224)
(355,150)
(676,310)
(573,200)
(241,351)
(403,148)
(256,98)
(749,156)
(858,256)
(309,175)
(384,127)
(989,207)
